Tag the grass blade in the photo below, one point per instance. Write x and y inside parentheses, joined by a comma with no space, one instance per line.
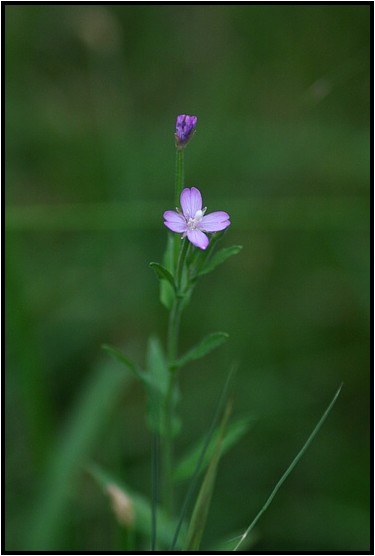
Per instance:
(234,433)
(289,469)
(200,512)
(194,479)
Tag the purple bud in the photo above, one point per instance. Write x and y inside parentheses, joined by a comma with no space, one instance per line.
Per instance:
(185,127)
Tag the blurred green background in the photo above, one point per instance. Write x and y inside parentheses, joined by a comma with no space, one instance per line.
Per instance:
(282,144)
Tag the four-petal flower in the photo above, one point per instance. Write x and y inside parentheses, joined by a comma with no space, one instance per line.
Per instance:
(193,221)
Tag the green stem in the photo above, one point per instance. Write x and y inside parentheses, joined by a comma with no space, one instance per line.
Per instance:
(175,314)
(173,334)
(179,256)
(173,331)
(179,178)
(179,185)
(168,446)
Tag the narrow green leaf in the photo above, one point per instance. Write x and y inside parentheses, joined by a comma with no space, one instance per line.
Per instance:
(119,356)
(201,258)
(200,512)
(289,469)
(166,290)
(141,506)
(208,343)
(163,274)
(187,465)
(219,258)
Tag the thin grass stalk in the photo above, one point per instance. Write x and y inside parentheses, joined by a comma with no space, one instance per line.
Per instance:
(289,469)
(194,480)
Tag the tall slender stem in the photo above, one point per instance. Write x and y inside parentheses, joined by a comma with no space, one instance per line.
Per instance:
(179,256)
(173,334)
(168,490)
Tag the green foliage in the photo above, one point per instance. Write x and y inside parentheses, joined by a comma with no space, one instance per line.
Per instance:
(199,516)
(193,483)
(129,364)
(187,464)
(218,258)
(205,346)
(163,274)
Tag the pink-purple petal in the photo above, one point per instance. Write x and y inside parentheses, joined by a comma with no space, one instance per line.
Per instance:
(198,238)
(174,221)
(215,221)
(191,201)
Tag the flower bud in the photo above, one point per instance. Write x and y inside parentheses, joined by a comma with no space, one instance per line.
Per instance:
(185,128)
(122,505)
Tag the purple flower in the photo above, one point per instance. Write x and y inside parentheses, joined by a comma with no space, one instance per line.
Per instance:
(193,221)
(185,127)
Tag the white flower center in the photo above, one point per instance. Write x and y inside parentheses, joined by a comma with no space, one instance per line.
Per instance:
(192,223)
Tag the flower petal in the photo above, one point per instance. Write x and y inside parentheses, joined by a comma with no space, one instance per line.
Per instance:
(215,221)
(174,221)
(191,201)
(198,238)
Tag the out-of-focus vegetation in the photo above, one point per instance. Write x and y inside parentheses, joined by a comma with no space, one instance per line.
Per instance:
(282,144)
